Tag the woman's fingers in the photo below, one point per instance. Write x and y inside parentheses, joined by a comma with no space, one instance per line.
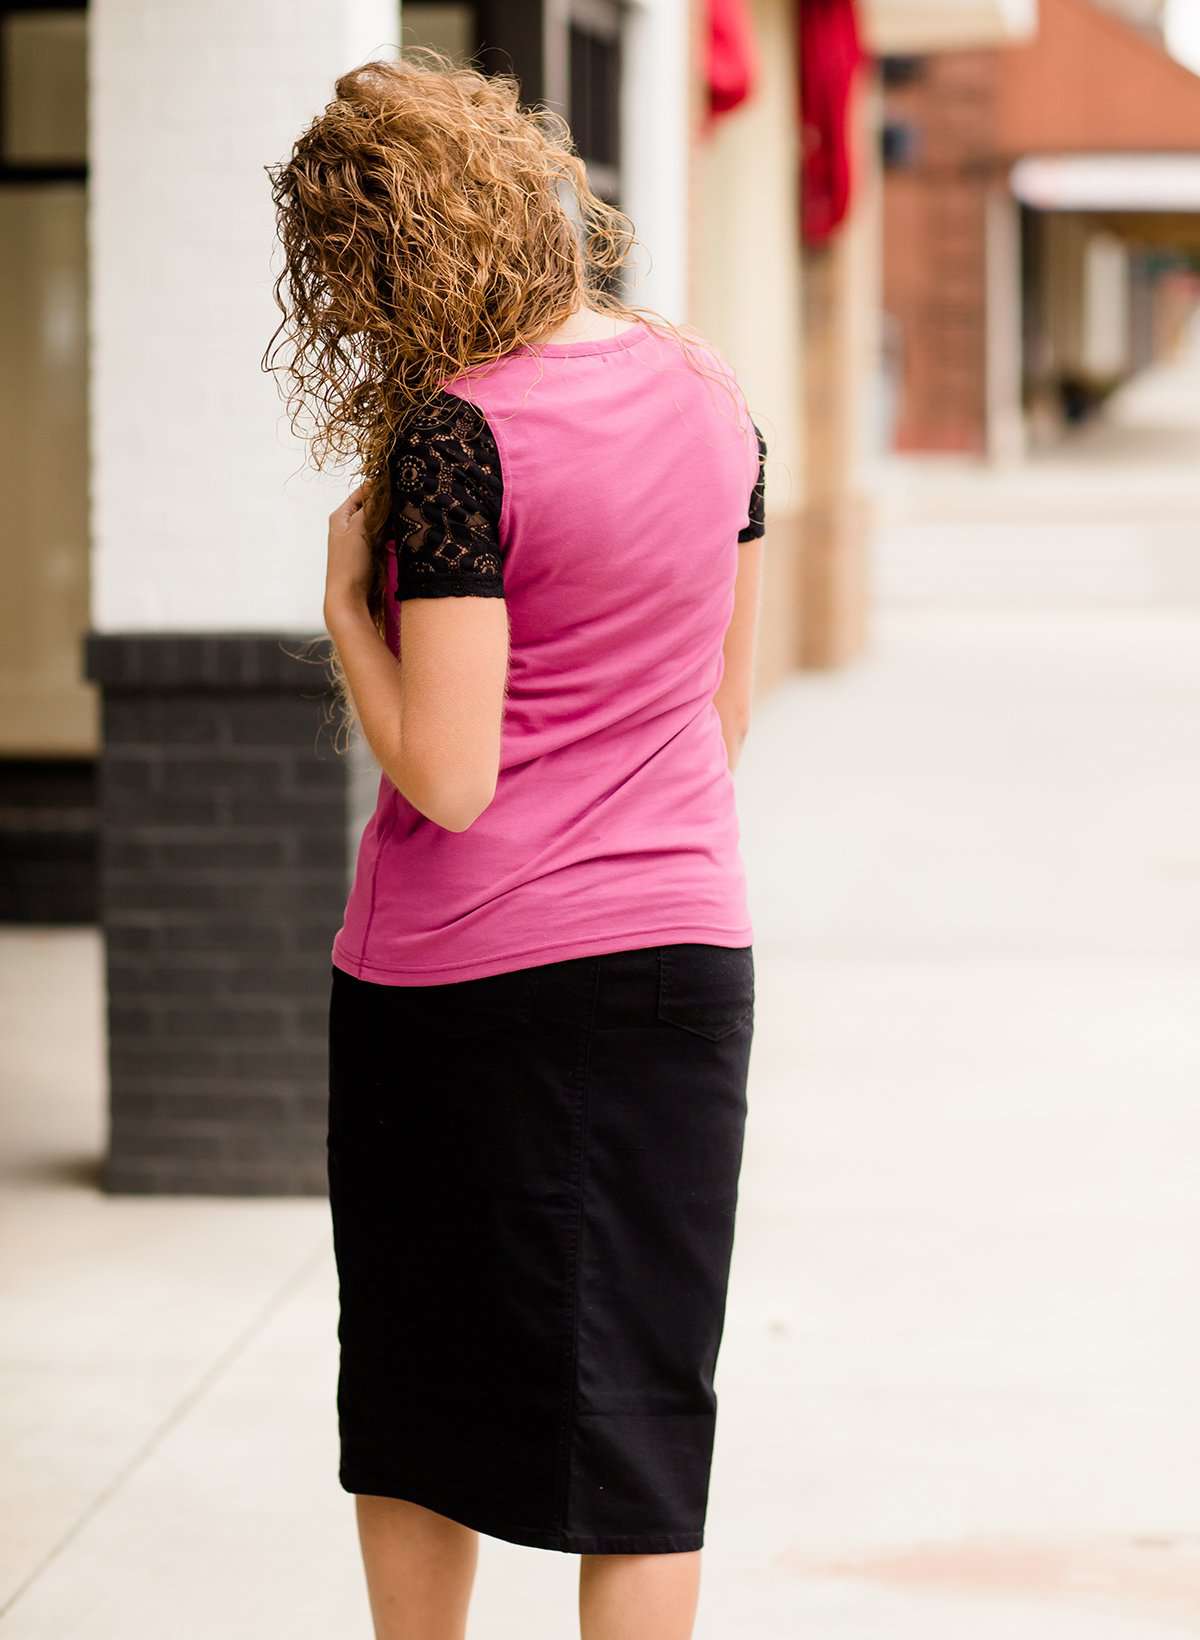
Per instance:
(352,504)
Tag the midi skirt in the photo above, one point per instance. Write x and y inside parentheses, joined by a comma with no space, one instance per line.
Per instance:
(533,1181)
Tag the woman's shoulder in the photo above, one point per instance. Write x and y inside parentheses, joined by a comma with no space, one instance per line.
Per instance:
(692,340)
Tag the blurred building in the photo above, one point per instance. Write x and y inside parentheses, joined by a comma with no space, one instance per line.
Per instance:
(167,769)
(803,319)
(1042,210)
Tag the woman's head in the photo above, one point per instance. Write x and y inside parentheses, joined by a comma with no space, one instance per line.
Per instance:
(429,223)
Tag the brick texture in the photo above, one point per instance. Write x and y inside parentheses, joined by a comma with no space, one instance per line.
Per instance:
(934,251)
(223,876)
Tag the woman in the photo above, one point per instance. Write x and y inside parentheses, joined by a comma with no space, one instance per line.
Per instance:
(542,601)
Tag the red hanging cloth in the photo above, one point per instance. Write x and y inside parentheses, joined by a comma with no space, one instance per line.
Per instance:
(830,53)
(731,56)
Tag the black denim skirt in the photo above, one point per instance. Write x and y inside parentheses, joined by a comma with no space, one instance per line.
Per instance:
(533,1180)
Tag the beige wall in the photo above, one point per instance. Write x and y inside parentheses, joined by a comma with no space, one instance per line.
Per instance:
(46,709)
(745,295)
(912,26)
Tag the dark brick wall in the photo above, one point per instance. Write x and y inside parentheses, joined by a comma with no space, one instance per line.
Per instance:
(223,877)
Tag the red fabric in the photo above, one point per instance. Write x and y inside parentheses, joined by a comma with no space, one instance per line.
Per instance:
(830,52)
(731,56)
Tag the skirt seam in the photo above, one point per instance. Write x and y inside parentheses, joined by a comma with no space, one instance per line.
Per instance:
(581,1132)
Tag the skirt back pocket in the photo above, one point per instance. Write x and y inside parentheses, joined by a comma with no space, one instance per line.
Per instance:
(707,989)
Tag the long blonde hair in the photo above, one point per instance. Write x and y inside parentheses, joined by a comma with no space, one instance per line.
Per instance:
(425,231)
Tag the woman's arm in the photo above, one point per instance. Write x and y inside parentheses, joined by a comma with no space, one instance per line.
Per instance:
(735,692)
(433,724)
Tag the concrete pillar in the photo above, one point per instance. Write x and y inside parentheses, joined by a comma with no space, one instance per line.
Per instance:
(200,519)
(1065,242)
(1106,307)
(223,803)
(1003,331)
(746,296)
(842,304)
(656,83)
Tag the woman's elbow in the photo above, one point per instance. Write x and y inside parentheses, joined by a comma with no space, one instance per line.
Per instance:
(449,800)
(460,811)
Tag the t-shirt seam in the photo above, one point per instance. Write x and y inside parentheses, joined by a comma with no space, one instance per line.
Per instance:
(379,848)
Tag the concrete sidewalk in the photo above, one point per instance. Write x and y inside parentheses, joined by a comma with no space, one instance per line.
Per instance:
(1105,521)
(958,1377)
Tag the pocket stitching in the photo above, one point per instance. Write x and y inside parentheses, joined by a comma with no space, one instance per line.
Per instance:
(675,1011)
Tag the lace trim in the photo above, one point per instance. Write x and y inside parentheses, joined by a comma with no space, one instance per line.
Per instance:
(757,525)
(447,492)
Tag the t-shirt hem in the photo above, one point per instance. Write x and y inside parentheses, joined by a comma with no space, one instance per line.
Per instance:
(558,951)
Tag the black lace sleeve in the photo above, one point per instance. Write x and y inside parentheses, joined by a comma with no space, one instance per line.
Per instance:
(757,525)
(447,490)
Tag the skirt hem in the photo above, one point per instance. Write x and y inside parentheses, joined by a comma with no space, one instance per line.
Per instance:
(530,1537)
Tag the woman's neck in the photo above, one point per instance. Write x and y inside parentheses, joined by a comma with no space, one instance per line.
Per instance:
(585,325)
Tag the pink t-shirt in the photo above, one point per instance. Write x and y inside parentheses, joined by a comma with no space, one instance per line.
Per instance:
(627,476)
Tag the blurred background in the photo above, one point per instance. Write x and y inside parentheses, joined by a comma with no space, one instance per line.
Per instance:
(952,248)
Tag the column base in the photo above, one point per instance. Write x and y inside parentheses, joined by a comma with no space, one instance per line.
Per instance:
(223,859)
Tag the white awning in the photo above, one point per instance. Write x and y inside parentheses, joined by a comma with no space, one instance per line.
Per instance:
(1109,182)
(909,27)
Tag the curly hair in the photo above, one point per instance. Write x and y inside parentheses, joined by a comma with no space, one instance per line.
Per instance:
(429,223)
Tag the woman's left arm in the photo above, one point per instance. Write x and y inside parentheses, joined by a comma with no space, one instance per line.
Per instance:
(433,723)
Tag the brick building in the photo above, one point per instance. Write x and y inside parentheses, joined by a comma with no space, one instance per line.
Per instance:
(1032,258)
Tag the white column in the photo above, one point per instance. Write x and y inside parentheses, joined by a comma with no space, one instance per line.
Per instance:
(203,516)
(1106,309)
(1004,344)
(655,84)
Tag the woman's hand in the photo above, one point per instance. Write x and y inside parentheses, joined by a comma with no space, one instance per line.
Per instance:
(348,570)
